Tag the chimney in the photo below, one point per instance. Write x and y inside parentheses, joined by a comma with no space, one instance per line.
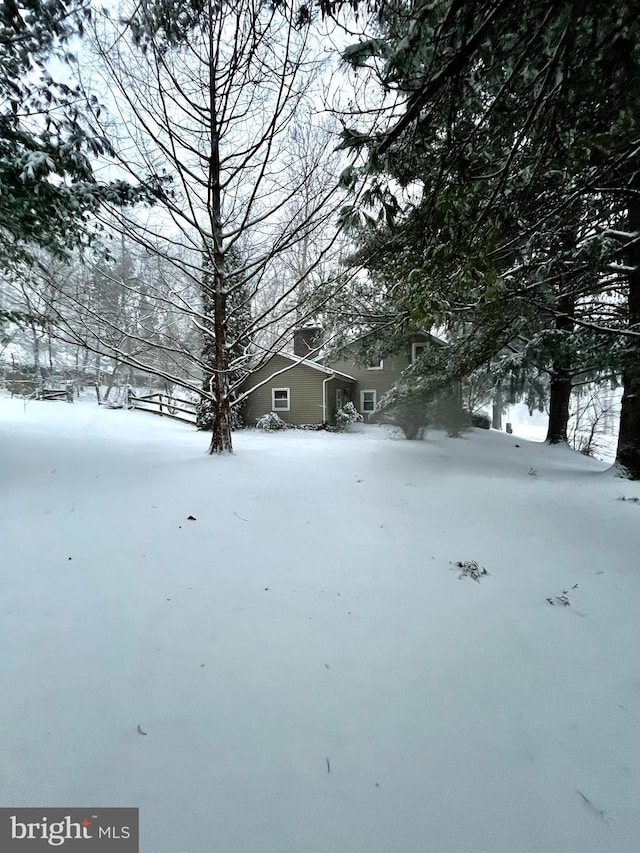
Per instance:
(306,339)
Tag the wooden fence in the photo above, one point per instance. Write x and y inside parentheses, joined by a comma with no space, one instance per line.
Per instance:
(163,405)
(53,394)
(32,389)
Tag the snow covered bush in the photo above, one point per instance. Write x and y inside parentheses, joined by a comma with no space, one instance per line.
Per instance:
(405,406)
(480,420)
(415,405)
(346,415)
(271,422)
(409,416)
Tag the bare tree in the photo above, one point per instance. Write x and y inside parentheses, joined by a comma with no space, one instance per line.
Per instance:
(127,306)
(210,103)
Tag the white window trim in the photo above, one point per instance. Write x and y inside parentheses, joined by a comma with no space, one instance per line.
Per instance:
(375,401)
(414,348)
(275,408)
(377,366)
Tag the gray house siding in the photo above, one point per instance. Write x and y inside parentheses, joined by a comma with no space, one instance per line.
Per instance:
(305,392)
(304,386)
(379,379)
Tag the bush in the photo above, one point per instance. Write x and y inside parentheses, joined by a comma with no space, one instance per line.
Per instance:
(347,414)
(271,422)
(405,406)
(409,416)
(480,420)
(446,412)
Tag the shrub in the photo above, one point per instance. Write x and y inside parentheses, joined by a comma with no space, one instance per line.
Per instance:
(347,414)
(271,422)
(480,420)
(405,406)
(414,404)
(447,413)
(409,416)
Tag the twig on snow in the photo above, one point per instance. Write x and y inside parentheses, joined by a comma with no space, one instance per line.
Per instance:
(601,813)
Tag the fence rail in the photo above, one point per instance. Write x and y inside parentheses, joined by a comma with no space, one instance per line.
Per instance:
(51,394)
(163,405)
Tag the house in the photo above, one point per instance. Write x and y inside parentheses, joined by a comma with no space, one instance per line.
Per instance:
(306,391)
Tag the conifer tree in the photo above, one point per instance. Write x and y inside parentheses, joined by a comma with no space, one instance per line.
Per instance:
(47,142)
(508,120)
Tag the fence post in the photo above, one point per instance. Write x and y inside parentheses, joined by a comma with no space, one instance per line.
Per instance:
(160,396)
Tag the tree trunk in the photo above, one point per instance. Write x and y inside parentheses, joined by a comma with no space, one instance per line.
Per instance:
(221,437)
(561,380)
(628,455)
(221,441)
(111,381)
(50,350)
(221,433)
(36,350)
(498,405)
(559,398)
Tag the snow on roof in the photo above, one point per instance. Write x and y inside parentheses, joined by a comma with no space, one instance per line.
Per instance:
(321,367)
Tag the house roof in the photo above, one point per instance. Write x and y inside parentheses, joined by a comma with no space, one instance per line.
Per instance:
(314,364)
(402,342)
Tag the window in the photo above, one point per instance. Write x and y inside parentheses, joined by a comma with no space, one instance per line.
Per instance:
(339,398)
(378,366)
(417,350)
(280,399)
(367,402)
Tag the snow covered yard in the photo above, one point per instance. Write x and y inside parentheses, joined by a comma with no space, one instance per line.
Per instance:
(310,672)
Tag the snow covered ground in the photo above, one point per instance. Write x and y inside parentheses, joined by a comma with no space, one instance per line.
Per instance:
(311,673)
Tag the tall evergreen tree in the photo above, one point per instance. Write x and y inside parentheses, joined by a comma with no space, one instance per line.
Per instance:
(48,185)
(508,118)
